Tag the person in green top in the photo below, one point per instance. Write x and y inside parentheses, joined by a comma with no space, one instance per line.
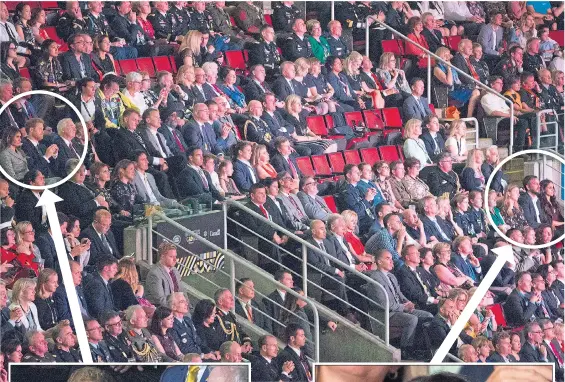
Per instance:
(495,211)
(320,46)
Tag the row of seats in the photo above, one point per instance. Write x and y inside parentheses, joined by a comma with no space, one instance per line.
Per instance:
(151,65)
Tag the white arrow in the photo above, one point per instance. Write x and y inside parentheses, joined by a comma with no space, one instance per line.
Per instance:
(48,199)
(504,256)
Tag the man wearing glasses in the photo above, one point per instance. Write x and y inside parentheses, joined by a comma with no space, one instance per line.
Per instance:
(533,350)
(98,347)
(442,179)
(76,63)
(114,337)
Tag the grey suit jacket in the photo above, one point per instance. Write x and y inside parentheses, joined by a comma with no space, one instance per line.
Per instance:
(159,284)
(315,207)
(142,192)
(487,41)
(297,214)
(15,163)
(376,294)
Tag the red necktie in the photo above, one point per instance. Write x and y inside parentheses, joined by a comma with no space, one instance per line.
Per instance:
(292,169)
(177,140)
(175,281)
(556,353)
(249,311)
(264,211)
(472,69)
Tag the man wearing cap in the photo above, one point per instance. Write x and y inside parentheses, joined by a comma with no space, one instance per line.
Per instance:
(173,120)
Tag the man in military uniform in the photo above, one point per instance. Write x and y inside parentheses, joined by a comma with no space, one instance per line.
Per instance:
(255,129)
(226,322)
(337,44)
(200,18)
(221,23)
(143,347)
(297,45)
(265,53)
(96,24)
(115,338)
(65,341)
(98,348)
(37,348)
(442,179)
(284,16)
(70,22)
(163,22)
(249,18)
(181,15)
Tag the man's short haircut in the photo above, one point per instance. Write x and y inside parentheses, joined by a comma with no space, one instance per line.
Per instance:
(530,327)
(528,179)
(513,49)
(165,247)
(148,112)
(499,337)
(263,340)
(348,167)
(129,111)
(291,330)
(105,261)
(414,80)
(218,294)
(71,165)
(380,253)
(136,154)
(493,79)
(56,330)
(33,122)
(525,75)
(256,186)
(380,207)
(279,141)
(279,274)
(240,283)
(108,315)
(389,216)
(405,250)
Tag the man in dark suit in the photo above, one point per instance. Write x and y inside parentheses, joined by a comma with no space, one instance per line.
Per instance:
(434,226)
(501,342)
(97,291)
(39,156)
(440,326)
(102,242)
(25,207)
(521,306)
(68,148)
(194,182)
(46,245)
(462,61)
(198,131)
(264,366)
(275,300)
(531,204)
(285,160)
(244,175)
(442,179)
(76,63)
(433,36)
(552,347)
(464,259)
(433,140)
(500,179)
(248,308)
(296,340)
(416,106)
(60,295)
(533,350)
(285,85)
(172,120)
(256,87)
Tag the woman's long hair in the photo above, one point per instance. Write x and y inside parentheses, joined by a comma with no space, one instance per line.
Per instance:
(160,314)
(128,272)
(7,137)
(121,165)
(4,49)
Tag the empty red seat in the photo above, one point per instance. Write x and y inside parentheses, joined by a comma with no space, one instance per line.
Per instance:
(305,166)
(392,46)
(392,118)
(128,66)
(145,64)
(352,157)
(49,5)
(354,118)
(321,165)
(389,153)
(558,36)
(498,313)
(369,155)
(373,119)
(317,124)
(268,20)
(234,59)
(162,63)
(452,42)
(330,201)
(336,161)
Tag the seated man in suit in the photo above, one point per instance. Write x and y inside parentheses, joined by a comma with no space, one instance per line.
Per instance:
(442,179)
(501,342)
(248,308)
(553,350)
(172,120)
(522,306)
(60,295)
(199,132)
(433,140)
(531,204)
(285,85)
(39,157)
(402,311)
(275,300)
(434,226)
(163,278)
(264,367)
(76,64)
(102,242)
(295,341)
(464,259)
(77,199)
(97,292)
(500,179)
(244,175)
(314,205)
(68,148)
(416,106)
(46,245)
(441,324)
(285,159)
(194,182)
(533,349)
(145,185)
(291,202)
(256,87)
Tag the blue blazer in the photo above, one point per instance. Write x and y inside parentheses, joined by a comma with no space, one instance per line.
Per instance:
(339,92)
(426,137)
(410,108)
(364,186)
(205,139)
(242,176)
(527,204)
(467,269)
(468,180)
(431,229)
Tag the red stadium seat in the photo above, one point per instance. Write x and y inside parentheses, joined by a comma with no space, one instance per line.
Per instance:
(268,20)
(373,119)
(52,33)
(400,152)
(498,313)
(432,107)
(392,46)
(391,117)
(389,153)
(558,36)
(246,55)
(145,64)
(317,125)
(321,165)
(49,5)
(24,72)
(369,155)
(352,157)
(353,118)
(128,66)
(452,42)
(330,201)
(173,64)
(232,21)
(337,162)
(305,166)
(234,59)
(162,63)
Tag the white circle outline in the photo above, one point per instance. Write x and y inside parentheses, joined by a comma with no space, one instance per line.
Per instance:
(84,150)
(487,189)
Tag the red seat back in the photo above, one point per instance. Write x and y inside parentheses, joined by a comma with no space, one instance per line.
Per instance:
(389,153)
(24,72)
(128,66)
(51,32)
(498,313)
(558,36)
(369,155)
(268,20)
(145,64)
(391,117)
(305,166)
(317,124)
(173,64)
(373,119)
(400,151)
(162,63)
(330,201)
(391,46)
(329,121)
(321,165)
(49,5)
(234,59)
(452,42)
(353,118)
(352,157)
(336,161)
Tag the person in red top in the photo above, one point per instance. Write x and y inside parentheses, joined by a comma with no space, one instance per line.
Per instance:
(142,9)
(415,26)
(354,242)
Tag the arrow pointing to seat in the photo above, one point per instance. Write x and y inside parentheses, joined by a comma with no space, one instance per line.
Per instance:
(504,255)
(48,199)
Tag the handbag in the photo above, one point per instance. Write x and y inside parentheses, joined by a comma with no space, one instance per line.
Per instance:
(452,113)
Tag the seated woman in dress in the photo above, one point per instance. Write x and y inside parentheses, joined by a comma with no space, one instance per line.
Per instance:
(510,209)
(353,241)
(37,21)
(236,97)
(415,28)
(293,107)
(203,318)
(351,67)
(12,158)
(123,190)
(449,275)
(161,322)
(344,93)
(49,72)
(429,278)
(318,86)
(313,102)
(456,144)
(391,77)
(26,251)
(102,60)
(225,172)
(416,187)
(458,92)
(99,185)
(185,79)
(381,170)
(472,178)
(260,162)
(414,146)
(23,295)
(552,206)
(126,288)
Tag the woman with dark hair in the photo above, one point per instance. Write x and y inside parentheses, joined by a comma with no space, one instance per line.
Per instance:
(49,72)
(229,79)
(12,350)
(79,252)
(553,300)
(429,278)
(9,60)
(98,183)
(123,191)
(36,22)
(22,16)
(552,205)
(162,321)
(544,234)
(12,157)
(203,318)
(102,60)
(416,187)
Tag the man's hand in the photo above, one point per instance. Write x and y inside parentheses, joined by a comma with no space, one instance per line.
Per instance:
(9,201)
(340,273)
(210,356)
(332,326)
(288,367)
(225,131)
(543,351)
(51,151)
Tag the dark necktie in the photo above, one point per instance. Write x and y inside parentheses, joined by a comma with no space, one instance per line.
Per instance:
(292,168)
(305,365)
(106,244)
(73,150)
(177,141)
(421,282)
(436,144)
(138,138)
(175,281)
(163,145)
(203,177)
(10,34)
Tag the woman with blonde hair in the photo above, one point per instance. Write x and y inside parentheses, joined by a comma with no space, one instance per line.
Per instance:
(191,41)
(126,288)
(510,209)
(23,295)
(27,252)
(472,178)
(456,143)
(185,78)
(352,70)
(47,283)
(313,101)
(260,162)
(413,146)
(302,134)
(449,275)
(353,241)
(391,76)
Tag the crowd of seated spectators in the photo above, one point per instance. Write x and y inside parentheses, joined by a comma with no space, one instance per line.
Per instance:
(208,132)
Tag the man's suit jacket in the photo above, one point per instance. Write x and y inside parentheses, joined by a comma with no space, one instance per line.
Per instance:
(299,374)
(78,201)
(199,96)
(296,210)
(171,142)
(496,184)
(280,164)
(98,296)
(376,294)
(36,160)
(97,249)
(265,371)
(9,331)
(242,176)
(259,317)
(185,336)
(204,139)
(65,153)
(525,201)
(460,63)
(518,310)
(142,192)
(464,267)
(273,310)
(437,332)
(410,108)
(339,91)
(62,303)
(429,143)
(282,89)
(488,40)
(434,38)
(189,184)
(319,261)
(209,91)
(529,353)
(253,91)
(553,359)
(350,198)
(159,284)
(47,249)
(26,210)
(338,252)
(150,143)
(71,67)
(315,207)
(411,287)
(431,229)
(495,357)
(441,182)
(125,144)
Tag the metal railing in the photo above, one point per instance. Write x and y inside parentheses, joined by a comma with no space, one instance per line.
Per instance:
(233,259)
(542,121)
(436,57)
(305,247)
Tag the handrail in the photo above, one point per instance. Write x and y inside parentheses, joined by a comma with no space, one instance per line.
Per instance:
(236,259)
(305,246)
(431,54)
(539,124)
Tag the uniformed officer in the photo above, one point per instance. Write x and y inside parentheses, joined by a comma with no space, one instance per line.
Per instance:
(98,348)
(181,15)
(226,323)
(115,338)
(144,349)
(65,341)
(200,18)
(255,129)
(37,348)
(265,53)
(284,16)
(338,47)
(163,22)
(297,45)
(249,17)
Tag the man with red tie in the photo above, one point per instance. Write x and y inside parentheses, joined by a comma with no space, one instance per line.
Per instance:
(296,340)
(554,353)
